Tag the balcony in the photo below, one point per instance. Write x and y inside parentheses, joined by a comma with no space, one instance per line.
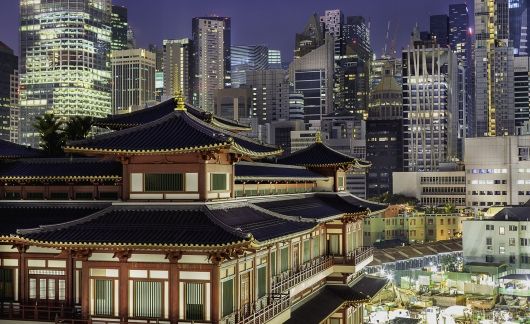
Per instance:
(261,311)
(35,312)
(354,261)
(308,270)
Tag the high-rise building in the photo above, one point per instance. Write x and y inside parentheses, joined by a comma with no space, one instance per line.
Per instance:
(356,34)
(8,93)
(312,75)
(352,67)
(270,94)
(384,133)
(460,42)
(379,66)
(131,38)
(430,105)
(69,76)
(233,103)
(311,38)
(247,58)
(519,19)
(159,71)
(439,29)
(296,106)
(494,101)
(177,66)
(332,22)
(211,58)
(120,26)
(521,92)
(275,59)
(133,79)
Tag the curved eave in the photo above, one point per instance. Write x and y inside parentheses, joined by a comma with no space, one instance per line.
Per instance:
(225,145)
(53,178)
(354,164)
(286,236)
(239,128)
(126,246)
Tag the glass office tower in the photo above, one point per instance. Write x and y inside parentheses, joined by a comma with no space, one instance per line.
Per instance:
(65,67)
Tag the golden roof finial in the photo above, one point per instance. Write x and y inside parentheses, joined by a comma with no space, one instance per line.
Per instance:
(179,98)
(318,137)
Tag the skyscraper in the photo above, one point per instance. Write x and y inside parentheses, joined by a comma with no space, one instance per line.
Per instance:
(312,75)
(69,76)
(8,92)
(439,29)
(247,58)
(430,105)
(519,19)
(494,98)
(521,92)
(270,94)
(275,59)
(133,79)
(352,67)
(120,26)
(177,66)
(311,38)
(332,22)
(460,42)
(211,58)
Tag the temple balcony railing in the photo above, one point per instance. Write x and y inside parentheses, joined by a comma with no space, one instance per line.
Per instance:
(36,312)
(354,261)
(261,311)
(288,280)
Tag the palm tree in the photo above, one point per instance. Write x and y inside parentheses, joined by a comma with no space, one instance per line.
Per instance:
(78,128)
(51,135)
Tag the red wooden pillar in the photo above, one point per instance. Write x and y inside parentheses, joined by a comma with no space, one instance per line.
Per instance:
(216,292)
(22,274)
(174,301)
(85,290)
(123,309)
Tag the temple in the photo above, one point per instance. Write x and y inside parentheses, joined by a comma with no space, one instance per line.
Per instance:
(173,216)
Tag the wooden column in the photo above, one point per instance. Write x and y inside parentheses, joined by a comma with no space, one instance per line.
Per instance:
(344,238)
(70,282)
(123,309)
(22,274)
(216,292)
(203,179)
(174,297)
(126,186)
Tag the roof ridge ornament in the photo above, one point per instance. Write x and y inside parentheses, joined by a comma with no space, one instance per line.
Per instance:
(179,99)
(318,137)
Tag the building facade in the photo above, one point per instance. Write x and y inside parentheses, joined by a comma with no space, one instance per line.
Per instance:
(120,25)
(211,58)
(504,238)
(494,101)
(178,68)
(440,29)
(69,76)
(430,105)
(247,58)
(133,79)
(270,94)
(433,189)
(497,171)
(8,94)
(521,75)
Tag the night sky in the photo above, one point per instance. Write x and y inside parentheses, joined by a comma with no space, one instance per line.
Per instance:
(270,22)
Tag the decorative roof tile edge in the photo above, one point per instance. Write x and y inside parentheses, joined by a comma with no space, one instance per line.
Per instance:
(15,178)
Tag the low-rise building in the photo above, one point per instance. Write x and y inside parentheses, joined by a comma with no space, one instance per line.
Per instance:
(504,238)
(497,171)
(432,188)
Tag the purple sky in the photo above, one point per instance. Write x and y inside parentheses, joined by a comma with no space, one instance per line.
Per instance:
(271,22)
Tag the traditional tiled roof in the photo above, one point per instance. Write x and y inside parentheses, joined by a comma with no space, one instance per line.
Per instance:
(324,303)
(262,226)
(10,150)
(137,226)
(18,215)
(372,206)
(177,132)
(369,286)
(60,169)
(253,171)
(147,115)
(320,155)
(311,206)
